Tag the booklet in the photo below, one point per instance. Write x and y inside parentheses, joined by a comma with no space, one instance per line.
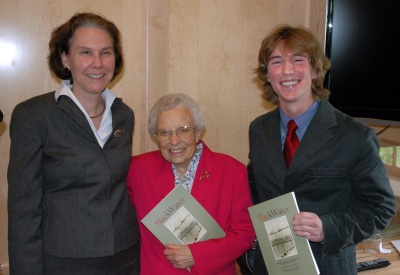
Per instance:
(180,219)
(283,251)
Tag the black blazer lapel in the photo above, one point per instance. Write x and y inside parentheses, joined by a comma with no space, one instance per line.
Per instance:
(321,123)
(271,147)
(66,104)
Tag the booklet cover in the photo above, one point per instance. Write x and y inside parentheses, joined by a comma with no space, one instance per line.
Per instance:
(180,219)
(283,251)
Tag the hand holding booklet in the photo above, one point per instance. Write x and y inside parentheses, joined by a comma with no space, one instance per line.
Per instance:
(180,219)
(283,251)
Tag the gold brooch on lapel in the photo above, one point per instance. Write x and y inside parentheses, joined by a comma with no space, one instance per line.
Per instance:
(204,175)
(118,132)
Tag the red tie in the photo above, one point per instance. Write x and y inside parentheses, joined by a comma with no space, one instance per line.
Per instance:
(291,142)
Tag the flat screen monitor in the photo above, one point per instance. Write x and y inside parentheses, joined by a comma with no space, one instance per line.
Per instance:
(363,44)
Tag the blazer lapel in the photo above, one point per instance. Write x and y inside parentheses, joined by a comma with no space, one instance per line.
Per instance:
(273,130)
(65,103)
(204,175)
(164,181)
(272,145)
(317,134)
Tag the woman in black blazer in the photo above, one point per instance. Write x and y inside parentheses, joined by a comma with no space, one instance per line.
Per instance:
(69,211)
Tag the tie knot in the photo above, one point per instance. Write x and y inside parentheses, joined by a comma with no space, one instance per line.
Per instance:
(292,126)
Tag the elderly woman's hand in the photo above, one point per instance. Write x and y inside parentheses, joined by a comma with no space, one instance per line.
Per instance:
(179,255)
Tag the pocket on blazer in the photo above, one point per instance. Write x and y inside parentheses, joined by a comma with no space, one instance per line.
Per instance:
(336,172)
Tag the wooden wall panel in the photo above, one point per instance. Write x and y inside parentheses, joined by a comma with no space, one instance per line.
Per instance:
(207,49)
(157,60)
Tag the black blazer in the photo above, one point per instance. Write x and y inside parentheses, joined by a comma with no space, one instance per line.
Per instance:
(67,195)
(336,173)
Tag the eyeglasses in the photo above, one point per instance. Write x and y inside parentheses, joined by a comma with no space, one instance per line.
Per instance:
(182,132)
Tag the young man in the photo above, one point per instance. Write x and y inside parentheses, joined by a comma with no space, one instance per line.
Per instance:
(340,182)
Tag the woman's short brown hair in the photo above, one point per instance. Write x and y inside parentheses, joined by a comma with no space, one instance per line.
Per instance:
(61,36)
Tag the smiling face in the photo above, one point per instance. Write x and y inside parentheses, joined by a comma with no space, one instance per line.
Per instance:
(176,150)
(91,60)
(291,75)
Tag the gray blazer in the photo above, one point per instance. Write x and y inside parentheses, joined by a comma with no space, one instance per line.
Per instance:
(335,173)
(66,194)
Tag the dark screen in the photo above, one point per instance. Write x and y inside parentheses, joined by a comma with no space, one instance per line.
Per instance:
(363,45)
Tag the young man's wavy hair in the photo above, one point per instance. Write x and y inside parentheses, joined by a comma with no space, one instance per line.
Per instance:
(298,40)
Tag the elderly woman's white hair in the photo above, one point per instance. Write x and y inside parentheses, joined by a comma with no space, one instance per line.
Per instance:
(172,101)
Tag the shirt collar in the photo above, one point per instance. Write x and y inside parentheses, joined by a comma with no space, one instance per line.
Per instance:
(302,120)
(66,89)
(103,133)
(188,179)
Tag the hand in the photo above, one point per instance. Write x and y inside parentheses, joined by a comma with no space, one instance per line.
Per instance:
(308,225)
(179,255)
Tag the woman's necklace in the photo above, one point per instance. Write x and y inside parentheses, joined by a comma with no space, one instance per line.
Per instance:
(104,104)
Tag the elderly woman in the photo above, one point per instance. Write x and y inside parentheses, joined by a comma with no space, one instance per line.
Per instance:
(217,181)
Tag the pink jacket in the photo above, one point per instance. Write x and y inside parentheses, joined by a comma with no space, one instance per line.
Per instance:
(225,194)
